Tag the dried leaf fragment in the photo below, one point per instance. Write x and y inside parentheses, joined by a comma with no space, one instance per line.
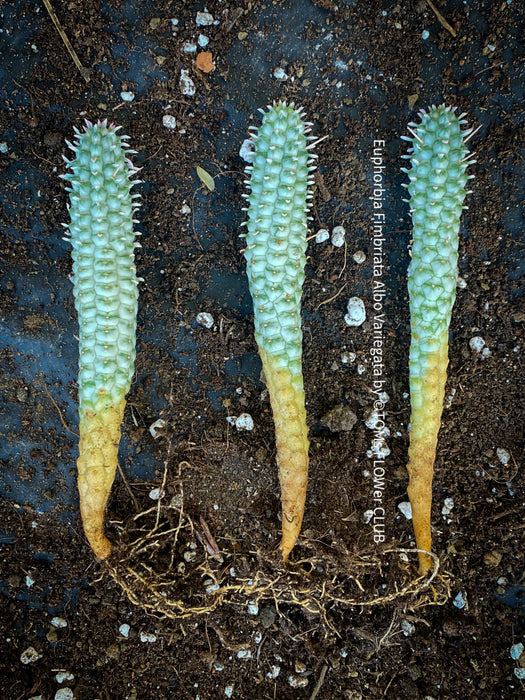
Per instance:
(206,179)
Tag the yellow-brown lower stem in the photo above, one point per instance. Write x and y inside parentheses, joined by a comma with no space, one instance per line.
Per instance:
(427,392)
(291,436)
(97,464)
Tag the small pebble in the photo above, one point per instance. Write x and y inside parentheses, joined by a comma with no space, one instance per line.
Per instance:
(244,654)
(156,428)
(348,357)
(367,516)
(359,257)
(147,638)
(59,622)
(189,47)
(253,608)
(124,630)
(127,96)
(340,419)
(244,422)
(217,666)
(477,343)
(338,236)
(185,209)
(64,694)
(246,150)
(407,627)
(322,235)
(204,19)
(280,74)
(448,506)
(169,121)
(503,455)
(3,147)
(356,315)
(520,673)
(406,509)
(64,676)
(461,283)
(203,40)
(156,494)
(516,651)
(205,319)
(30,655)
(186,84)
(29,581)
(425,34)
(296,682)
(459,601)
(228,691)
(273,672)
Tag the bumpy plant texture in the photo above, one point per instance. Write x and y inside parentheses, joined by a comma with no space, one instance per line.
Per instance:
(105,289)
(275,257)
(439,158)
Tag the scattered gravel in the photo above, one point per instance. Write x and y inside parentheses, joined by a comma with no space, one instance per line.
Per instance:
(338,236)
(356,315)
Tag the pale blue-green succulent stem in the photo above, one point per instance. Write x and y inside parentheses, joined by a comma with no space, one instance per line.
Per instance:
(439,159)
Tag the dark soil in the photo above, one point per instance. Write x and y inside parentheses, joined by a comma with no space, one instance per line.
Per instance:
(349,619)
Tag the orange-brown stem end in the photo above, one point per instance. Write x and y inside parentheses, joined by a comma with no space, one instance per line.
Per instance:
(291,435)
(97,464)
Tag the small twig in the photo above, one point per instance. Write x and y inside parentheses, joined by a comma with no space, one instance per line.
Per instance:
(84,72)
(441,19)
(326,301)
(59,412)
(319,683)
(128,488)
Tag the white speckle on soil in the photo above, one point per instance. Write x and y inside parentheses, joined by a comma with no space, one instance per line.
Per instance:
(273,672)
(359,257)
(231,419)
(204,19)
(246,150)
(253,608)
(156,428)
(59,622)
(189,47)
(244,654)
(280,74)
(169,121)
(127,96)
(407,627)
(3,147)
(64,694)
(338,236)
(205,319)
(367,516)
(459,601)
(503,455)
(296,682)
(203,40)
(29,581)
(244,422)
(147,638)
(371,418)
(447,506)
(156,494)
(124,630)
(322,235)
(406,509)
(476,343)
(516,651)
(520,673)
(185,209)
(228,691)
(64,676)
(348,357)
(461,283)
(30,655)
(186,84)
(356,315)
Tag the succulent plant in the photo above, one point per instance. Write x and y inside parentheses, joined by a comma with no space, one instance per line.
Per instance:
(105,288)
(439,158)
(275,259)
